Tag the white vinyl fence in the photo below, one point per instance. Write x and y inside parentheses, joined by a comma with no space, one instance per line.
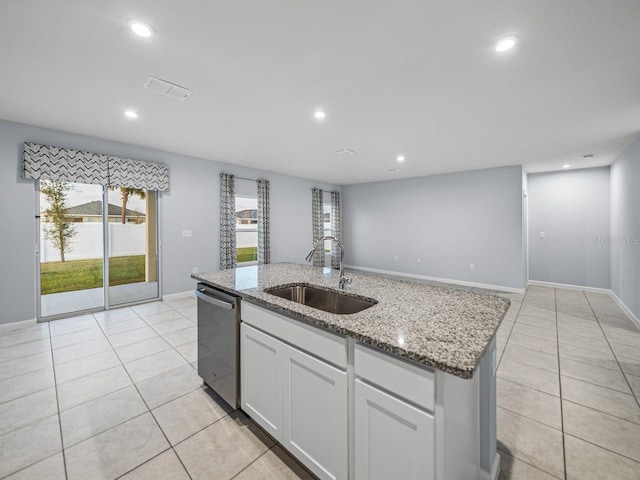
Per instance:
(246,238)
(128,239)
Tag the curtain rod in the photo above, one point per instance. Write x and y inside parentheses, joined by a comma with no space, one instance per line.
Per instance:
(249,179)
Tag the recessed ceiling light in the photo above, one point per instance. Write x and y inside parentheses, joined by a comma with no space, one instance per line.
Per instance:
(566,165)
(400,158)
(320,114)
(140,28)
(506,43)
(131,114)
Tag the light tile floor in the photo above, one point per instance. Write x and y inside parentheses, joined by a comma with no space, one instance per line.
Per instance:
(116,395)
(568,387)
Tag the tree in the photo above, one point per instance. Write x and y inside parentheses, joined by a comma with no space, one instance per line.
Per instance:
(125,193)
(62,230)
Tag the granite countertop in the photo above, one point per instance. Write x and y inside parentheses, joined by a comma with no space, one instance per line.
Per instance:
(443,328)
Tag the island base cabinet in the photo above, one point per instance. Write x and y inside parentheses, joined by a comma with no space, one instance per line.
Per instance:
(392,438)
(298,399)
(261,396)
(315,418)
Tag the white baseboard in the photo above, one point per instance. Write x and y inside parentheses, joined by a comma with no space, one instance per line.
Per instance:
(437,279)
(8,327)
(176,296)
(569,286)
(626,309)
(607,291)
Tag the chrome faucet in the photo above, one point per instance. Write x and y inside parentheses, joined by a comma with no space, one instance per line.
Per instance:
(343,280)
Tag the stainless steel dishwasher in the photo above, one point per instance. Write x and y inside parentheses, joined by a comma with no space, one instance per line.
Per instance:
(218,342)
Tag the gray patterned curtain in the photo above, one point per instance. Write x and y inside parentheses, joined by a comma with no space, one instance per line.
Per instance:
(227,222)
(264,244)
(317,219)
(336,227)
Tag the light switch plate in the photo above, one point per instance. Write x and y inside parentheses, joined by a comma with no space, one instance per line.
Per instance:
(187,233)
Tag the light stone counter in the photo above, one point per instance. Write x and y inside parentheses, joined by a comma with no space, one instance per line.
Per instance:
(443,328)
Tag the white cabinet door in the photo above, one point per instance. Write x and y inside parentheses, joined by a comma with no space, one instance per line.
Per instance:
(261,368)
(393,439)
(315,414)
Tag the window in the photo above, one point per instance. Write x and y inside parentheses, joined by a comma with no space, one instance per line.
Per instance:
(326,210)
(246,229)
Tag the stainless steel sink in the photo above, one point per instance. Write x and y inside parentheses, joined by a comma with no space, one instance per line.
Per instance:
(328,300)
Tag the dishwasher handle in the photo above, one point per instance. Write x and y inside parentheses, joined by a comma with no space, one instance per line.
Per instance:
(200,293)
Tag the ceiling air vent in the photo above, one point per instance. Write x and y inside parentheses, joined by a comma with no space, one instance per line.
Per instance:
(165,88)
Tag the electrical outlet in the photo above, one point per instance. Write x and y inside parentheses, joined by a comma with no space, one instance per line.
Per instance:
(472,266)
(195,270)
(395,258)
(418,260)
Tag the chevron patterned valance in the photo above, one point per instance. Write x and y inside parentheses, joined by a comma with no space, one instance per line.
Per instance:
(124,172)
(54,163)
(66,164)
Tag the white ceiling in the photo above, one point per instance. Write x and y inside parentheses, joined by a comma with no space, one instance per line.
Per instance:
(415,77)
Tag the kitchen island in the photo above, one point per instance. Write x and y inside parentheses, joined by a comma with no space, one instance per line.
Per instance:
(404,388)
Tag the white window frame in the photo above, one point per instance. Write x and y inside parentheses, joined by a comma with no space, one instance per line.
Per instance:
(250,230)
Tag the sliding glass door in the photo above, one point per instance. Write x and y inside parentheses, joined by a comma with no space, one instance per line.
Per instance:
(133,245)
(82,243)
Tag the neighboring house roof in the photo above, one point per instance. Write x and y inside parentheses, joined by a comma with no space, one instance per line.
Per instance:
(95,208)
(248,213)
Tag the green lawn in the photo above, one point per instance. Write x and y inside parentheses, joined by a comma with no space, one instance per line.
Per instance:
(56,277)
(247,254)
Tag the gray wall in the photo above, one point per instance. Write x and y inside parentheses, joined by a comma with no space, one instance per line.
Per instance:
(449,221)
(570,207)
(625,228)
(192,204)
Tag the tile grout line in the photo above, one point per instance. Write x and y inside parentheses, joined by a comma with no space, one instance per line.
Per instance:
(564,447)
(519,362)
(149,409)
(252,462)
(30,393)
(55,387)
(531,420)
(624,374)
(604,448)
(528,463)
(506,343)
(55,383)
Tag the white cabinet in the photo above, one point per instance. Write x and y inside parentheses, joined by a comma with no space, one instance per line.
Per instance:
(350,411)
(315,414)
(394,423)
(262,379)
(392,438)
(299,399)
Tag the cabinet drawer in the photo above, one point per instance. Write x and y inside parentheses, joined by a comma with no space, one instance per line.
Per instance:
(328,346)
(405,379)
